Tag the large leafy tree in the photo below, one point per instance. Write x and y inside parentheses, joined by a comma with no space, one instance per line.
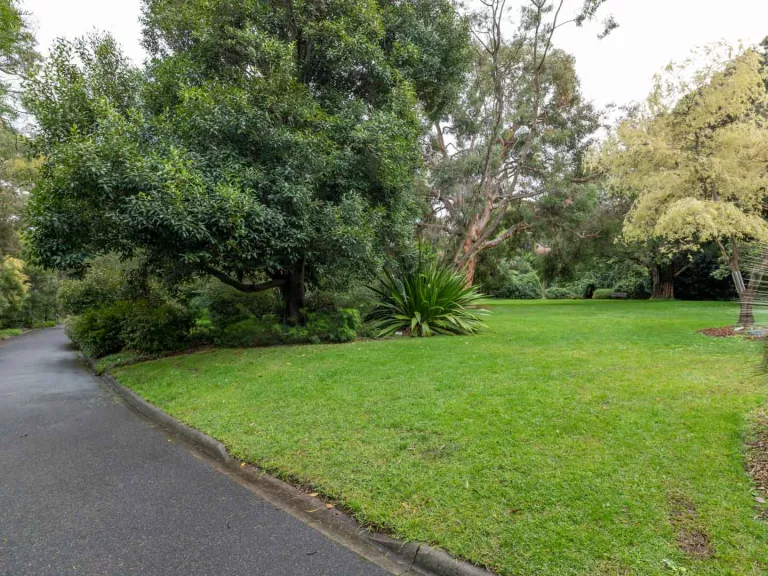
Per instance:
(517,134)
(695,157)
(264,144)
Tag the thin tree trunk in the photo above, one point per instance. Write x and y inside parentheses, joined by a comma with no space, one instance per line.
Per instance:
(746,311)
(663,282)
(748,293)
(293,294)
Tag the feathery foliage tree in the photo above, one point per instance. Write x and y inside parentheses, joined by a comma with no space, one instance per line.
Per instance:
(696,157)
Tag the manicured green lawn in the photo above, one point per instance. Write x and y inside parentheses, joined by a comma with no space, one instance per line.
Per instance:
(573,438)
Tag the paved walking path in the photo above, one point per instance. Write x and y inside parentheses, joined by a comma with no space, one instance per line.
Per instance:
(88,487)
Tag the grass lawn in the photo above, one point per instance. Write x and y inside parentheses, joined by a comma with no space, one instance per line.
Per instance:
(586,437)
(6,333)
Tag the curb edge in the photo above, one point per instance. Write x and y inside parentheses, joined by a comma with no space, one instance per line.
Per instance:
(396,556)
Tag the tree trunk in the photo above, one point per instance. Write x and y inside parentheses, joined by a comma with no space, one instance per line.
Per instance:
(469,270)
(746,296)
(663,282)
(746,311)
(293,294)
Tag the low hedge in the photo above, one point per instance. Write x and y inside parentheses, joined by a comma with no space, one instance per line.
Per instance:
(341,326)
(140,326)
(602,294)
(556,293)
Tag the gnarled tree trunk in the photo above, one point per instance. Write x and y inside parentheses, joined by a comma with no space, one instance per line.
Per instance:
(663,276)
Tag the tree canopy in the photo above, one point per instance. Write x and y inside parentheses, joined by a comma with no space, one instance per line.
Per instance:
(516,134)
(695,159)
(262,142)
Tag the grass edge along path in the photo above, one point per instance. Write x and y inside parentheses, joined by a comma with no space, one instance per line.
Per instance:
(571,438)
(7,333)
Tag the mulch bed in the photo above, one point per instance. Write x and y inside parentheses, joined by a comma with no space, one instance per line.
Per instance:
(727,332)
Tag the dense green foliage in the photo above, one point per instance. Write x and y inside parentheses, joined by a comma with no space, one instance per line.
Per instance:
(39,306)
(6,333)
(225,306)
(151,328)
(265,143)
(555,293)
(603,293)
(562,440)
(140,326)
(105,281)
(13,288)
(513,279)
(98,331)
(429,300)
(338,326)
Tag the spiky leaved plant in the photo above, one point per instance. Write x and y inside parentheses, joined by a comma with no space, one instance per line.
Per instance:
(430,300)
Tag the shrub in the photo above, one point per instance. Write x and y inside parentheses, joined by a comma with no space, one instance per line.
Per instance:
(151,329)
(425,302)
(556,293)
(251,332)
(360,298)
(341,326)
(140,326)
(13,289)
(39,307)
(98,332)
(635,288)
(520,287)
(103,283)
(602,294)
(227,306)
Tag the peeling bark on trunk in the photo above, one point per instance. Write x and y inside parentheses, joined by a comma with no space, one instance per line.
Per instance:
(469,271)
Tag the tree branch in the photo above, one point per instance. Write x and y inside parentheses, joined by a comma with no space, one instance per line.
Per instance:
(519,227)
(242,287)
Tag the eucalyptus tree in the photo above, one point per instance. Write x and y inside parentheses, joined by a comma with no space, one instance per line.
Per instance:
(264,143)
(518,132)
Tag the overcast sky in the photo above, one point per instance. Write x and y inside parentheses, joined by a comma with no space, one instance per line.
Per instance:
(618,69)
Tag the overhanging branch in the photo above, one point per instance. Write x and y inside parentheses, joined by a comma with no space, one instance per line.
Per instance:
(249,288)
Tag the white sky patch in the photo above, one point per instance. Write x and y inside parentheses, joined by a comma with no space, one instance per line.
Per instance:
(618,69)
(74,18)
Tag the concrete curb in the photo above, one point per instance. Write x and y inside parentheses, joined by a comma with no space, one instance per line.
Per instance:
(396,556)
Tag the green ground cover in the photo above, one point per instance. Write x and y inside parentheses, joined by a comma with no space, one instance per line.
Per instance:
(6,333)
(570,438)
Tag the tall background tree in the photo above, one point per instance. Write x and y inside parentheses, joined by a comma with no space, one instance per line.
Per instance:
(266,143)
(517,133)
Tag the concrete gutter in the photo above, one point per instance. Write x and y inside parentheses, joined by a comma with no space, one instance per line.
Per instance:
(393,555)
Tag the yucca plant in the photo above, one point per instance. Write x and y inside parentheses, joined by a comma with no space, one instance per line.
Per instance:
(432,300)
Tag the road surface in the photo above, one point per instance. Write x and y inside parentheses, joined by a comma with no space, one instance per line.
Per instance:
(89,487)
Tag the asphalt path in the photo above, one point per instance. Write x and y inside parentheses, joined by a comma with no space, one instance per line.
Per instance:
(89,487)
